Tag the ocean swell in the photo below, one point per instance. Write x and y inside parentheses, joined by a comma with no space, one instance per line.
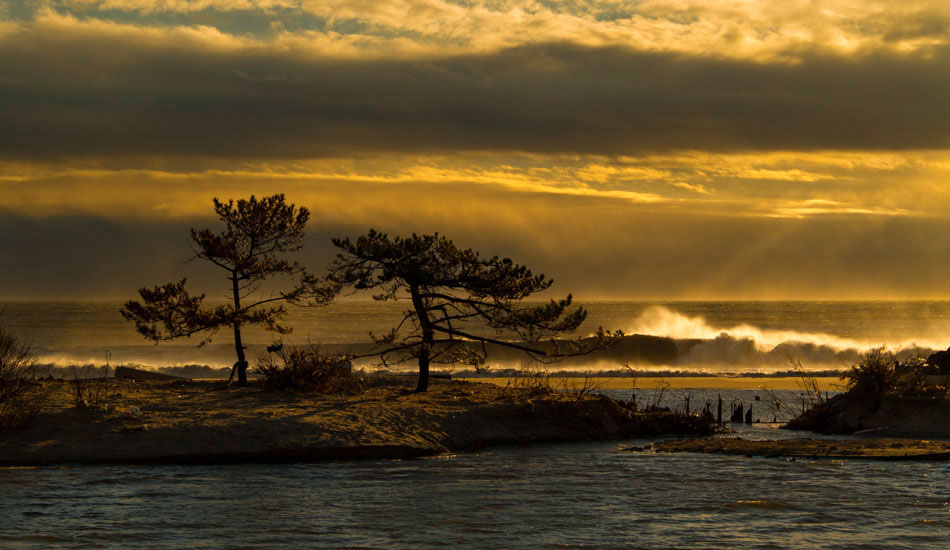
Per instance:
(659,339)
(704,345)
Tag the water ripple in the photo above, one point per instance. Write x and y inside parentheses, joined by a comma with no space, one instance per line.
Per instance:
(550,496)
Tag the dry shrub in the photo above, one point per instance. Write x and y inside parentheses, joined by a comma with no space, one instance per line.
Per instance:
(882,372)
(531,380)
(580,387)
(656,399)
(634,377)
(21,397)
(664,422)
(91,387)
(810,395)
(308,369)
(808,384)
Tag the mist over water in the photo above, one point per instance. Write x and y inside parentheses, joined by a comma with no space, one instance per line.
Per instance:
(716,337)
(748,345)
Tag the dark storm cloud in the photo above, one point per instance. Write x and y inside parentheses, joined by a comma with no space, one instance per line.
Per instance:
(88,94)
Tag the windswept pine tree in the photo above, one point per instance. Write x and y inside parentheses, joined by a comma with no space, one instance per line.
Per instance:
(460,302)
(253,250)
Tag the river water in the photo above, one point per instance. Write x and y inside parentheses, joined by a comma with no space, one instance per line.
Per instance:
(583,495)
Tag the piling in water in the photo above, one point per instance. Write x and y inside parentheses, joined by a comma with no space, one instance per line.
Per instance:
(737,414)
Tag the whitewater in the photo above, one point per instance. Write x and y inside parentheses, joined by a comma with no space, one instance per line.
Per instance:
(699,336)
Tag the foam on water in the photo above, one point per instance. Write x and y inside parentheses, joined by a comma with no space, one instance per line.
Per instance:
(708,336)
(747,345)
(662,321)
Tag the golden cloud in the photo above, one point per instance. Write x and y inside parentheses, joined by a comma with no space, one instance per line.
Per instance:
(760,30)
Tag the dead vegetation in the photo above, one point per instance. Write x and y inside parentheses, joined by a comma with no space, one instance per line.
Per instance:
(195,421)
(646,417)
(882,372)
(582,386)
(307,369)
(880,375)
(531,380)
(638,403)
(91,386)
(810,394)
(534,380)
(21,398)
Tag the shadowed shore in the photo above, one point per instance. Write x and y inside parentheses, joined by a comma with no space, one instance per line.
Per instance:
(824,383)
(871,449)
(183,422)
(883,416)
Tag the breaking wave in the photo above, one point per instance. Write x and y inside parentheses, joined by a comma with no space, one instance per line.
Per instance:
(658,339)
(744,345)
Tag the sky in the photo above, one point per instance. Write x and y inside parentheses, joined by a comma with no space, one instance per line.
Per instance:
(662,150)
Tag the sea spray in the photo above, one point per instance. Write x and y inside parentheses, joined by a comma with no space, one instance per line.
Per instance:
(688,337)
(662,321)
(745,345)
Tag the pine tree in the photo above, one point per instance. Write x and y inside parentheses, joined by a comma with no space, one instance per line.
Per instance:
(253,249)
(460,302)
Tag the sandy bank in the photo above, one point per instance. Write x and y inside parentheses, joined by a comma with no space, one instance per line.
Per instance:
(825,383)
(201,422)
(872,449)
(882,416)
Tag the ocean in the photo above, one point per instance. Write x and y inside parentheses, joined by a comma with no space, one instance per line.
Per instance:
(580,495)
(710,337)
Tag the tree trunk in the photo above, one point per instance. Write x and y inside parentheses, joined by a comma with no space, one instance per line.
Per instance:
(241,366)
(423,384)
(427,338)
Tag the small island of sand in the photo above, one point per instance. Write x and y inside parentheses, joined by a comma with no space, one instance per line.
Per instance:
(188,421)
(893,408)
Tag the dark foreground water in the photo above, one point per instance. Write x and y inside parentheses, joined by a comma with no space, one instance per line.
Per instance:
(550,496)
(585,495)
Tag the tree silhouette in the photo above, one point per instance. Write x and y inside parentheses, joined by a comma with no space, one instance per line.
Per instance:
(258,236)
(461,302)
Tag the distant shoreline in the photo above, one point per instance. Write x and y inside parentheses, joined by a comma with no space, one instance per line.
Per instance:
(809,448)
(613,378)
(825,383)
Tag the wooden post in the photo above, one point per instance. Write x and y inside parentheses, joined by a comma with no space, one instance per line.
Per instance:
(737,414)
(719,410)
